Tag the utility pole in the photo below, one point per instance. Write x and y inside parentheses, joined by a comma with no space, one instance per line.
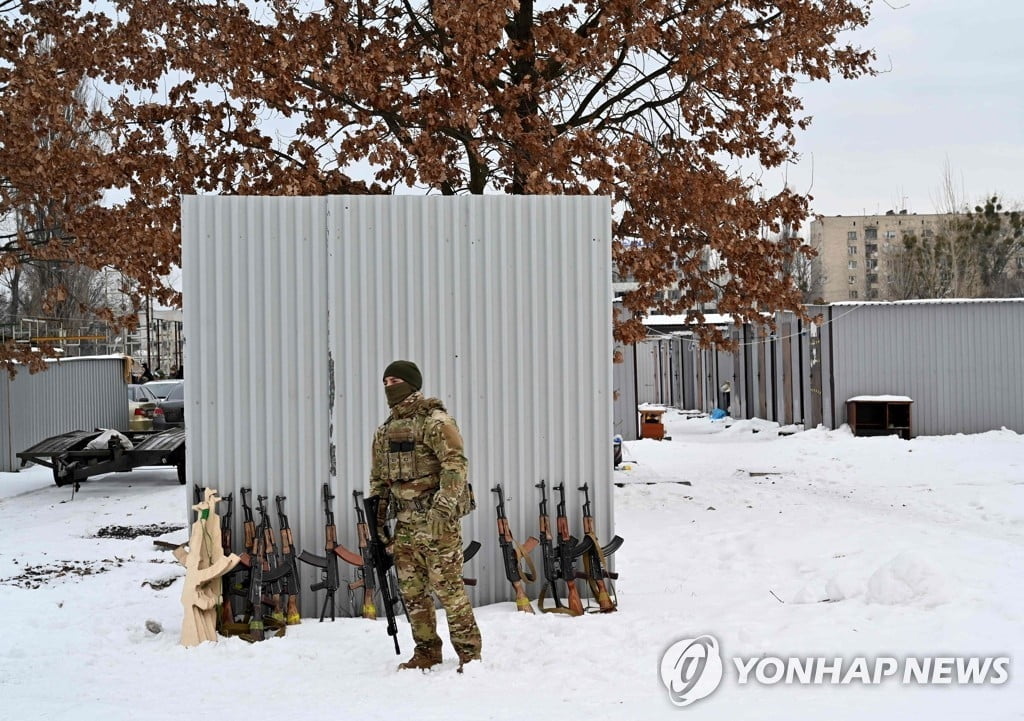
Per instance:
(149,322)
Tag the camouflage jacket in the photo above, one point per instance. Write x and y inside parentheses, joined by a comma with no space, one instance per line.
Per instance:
(418,460)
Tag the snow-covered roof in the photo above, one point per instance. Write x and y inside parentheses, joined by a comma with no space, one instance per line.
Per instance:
(881,399)
(930,301)
(709,319)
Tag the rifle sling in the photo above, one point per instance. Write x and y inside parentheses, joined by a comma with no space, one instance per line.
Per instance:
(589,570)
(529,573)
(553,609)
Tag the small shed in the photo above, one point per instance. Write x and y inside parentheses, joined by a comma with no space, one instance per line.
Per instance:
(652,424)
(72,394)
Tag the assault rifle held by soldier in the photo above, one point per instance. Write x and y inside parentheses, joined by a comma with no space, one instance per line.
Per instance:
(513,553)
(594,561)
(559,562)
(290,582)
(327,563)
(382,562)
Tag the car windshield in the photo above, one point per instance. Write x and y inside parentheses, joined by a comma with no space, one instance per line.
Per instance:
(162,388)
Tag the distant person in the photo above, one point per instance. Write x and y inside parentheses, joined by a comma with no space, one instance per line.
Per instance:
(146,375)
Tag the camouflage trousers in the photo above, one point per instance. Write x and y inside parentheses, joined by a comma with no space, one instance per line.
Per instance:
(426,564)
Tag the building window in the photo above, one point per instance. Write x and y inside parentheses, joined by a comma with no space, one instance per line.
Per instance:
(851,235)
(871,234)
(853,295)
(852,264)
(890,235)
(1020,262)
(853,280)
(927,232)
(869,249)
(851,249)
(872,293)
(871,263)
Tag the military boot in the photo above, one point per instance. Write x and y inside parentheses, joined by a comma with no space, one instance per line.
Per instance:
(465,658)
(423,657)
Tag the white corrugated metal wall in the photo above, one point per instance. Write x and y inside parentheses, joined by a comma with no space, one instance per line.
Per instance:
(962,362)
(502,301)
(72,394)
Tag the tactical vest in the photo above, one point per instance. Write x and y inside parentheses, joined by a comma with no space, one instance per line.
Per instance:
(413,471)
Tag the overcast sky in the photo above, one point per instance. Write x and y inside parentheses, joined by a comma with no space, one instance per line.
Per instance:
(953,90)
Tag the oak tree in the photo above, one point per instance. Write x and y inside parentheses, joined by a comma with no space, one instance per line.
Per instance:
(671,107)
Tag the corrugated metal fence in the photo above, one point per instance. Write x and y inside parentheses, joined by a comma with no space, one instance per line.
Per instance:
(293,307)
(72,394)
(962,362)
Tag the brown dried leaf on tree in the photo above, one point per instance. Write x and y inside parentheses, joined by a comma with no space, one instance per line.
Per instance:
(652,103)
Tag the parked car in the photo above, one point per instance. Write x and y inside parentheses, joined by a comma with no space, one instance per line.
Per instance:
(142,408)
(161,388)
(173,406)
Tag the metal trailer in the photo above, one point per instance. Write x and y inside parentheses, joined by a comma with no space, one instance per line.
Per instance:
(73,462)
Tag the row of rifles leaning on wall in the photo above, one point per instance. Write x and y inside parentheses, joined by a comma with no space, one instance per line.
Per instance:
(260,596)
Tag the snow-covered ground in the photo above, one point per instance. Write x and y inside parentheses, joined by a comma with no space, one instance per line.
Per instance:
(817,544)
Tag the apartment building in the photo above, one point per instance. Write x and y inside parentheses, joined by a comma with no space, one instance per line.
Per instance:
(854,250)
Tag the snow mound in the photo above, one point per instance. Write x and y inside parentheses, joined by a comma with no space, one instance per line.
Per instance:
(909,579)
(753,425)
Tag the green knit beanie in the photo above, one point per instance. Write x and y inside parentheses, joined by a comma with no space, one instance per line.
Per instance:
(407,371)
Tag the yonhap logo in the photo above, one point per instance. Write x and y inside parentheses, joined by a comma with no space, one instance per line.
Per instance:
(691,669)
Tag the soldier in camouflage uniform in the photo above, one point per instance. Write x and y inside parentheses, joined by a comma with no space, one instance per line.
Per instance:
(419,472)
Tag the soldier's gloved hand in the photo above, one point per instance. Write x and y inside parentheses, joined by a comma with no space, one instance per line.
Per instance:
(439,517)
(382,521)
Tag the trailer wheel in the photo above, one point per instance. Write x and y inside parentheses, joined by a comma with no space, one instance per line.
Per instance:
(181,472)
(63,472)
